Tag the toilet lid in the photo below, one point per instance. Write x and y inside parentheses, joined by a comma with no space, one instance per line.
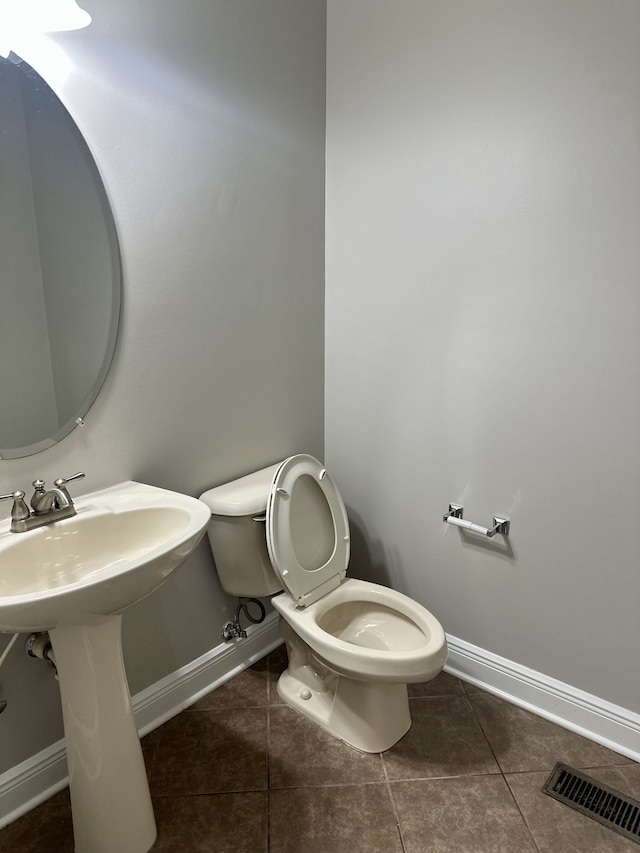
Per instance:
(307,529)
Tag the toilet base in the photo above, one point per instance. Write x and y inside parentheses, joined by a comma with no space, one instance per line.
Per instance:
(370,716)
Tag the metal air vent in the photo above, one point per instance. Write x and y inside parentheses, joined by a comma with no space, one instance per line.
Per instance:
(607,806)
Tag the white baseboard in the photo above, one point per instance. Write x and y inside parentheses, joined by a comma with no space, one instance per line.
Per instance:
(37,778)
(603,722)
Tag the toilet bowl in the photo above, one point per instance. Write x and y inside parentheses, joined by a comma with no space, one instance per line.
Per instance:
(352,646)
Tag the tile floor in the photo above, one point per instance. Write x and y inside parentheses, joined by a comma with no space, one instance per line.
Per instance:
(239,772)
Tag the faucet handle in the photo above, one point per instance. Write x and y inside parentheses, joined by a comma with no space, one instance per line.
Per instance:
(38,486)
(17,494)
(61,482)
(19,510)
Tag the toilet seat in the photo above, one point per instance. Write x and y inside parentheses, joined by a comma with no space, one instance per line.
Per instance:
(307,529)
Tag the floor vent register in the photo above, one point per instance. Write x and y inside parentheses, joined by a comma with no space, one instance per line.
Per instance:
(605,805)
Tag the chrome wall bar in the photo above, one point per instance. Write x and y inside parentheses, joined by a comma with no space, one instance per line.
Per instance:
(454,516)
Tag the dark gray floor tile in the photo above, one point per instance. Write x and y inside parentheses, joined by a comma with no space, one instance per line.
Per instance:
(301,754)
(277,661)
(523,741)
(473,814)
(45,829)
(208,752)
(557,828)
(625,778)
(209,769)
(226,823)
(344,819)
(248,689)
(444,740)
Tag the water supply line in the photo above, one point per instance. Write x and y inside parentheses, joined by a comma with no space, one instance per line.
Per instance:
(233,630)
(39,646)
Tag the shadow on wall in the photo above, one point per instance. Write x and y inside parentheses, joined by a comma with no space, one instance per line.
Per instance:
(369,560)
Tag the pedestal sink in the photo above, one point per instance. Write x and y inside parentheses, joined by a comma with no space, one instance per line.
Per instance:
(73,578)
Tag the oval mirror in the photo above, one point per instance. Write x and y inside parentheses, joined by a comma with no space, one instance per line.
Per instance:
(61,277)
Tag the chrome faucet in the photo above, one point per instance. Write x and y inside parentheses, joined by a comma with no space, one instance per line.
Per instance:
(52,499)
(46,506)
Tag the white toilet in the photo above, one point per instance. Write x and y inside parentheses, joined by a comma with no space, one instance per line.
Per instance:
(353,646)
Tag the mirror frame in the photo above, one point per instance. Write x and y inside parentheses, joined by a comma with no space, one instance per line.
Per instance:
(77,417)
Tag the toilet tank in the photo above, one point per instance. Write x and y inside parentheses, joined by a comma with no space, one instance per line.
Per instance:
(238,542)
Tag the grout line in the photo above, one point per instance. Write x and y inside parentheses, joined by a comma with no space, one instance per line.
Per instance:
(522,815)
(502,773)
(485,735)
(393,803)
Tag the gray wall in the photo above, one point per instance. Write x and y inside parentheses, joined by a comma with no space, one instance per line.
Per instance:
(483,322)
(207,123)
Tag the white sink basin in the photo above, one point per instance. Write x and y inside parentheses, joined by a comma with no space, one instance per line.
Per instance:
(73,578)
(122,544)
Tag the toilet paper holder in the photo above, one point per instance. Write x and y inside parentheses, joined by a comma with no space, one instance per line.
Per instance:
(454,516)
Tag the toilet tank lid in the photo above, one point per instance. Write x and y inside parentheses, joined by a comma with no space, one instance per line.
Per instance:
(244,496)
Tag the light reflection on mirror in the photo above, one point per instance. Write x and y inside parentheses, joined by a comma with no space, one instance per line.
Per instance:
(60,285)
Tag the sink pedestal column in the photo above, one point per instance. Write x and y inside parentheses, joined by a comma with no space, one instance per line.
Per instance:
(110,800)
